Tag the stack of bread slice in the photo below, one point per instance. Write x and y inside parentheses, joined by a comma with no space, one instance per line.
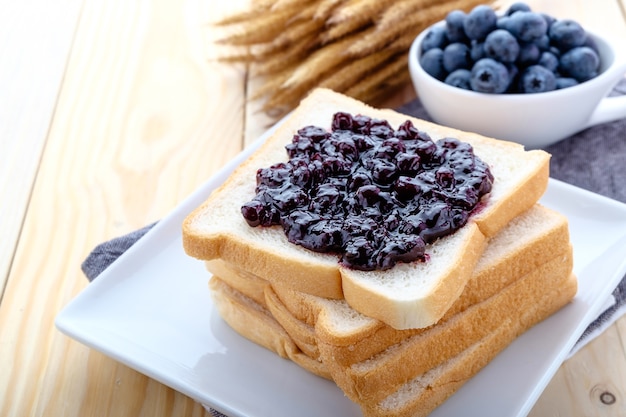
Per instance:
(398,342)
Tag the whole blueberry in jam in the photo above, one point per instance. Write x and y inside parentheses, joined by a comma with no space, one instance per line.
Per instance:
(373,194)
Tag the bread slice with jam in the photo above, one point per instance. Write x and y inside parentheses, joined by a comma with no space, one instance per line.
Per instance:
(408,295)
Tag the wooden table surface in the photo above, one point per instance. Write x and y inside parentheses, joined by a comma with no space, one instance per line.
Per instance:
(111,113)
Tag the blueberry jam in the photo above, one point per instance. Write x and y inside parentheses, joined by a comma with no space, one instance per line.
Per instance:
(370,193)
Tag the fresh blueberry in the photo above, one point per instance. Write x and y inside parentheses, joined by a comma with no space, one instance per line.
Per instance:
(581,63)
(480,21)
(549,60)
(506,46)
(565,82)
(489,76)
(555,51)
(456,56)
(537,79)
(517,7)
(432,62)
(567,34)
(502,22)
(529,54)
(477,50)
(543,43)
(527,26)
(549,19)
(435,38)
(459,78)
(591,42)
(513,73)
(502,46)
(455,30)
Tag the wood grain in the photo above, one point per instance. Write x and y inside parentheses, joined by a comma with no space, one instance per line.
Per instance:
(144,117)
(35,41)
(593,381)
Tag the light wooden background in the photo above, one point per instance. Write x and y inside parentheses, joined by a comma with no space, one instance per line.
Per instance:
(112,112)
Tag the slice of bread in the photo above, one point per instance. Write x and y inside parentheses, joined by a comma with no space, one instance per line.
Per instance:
(370,380)
(528,242)
(421,395)
(410,295)
(252,321)
(245,282)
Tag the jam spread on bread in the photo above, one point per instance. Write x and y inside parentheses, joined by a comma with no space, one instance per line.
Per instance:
(371,193)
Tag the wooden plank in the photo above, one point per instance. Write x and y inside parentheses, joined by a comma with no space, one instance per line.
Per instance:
(143,118)
(35,41)
(592,383)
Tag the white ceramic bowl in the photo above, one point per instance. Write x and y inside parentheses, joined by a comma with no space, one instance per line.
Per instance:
(534,120)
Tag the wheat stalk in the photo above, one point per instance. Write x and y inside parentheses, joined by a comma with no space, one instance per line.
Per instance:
(357,69)
(374,81)
(319,62)
(413,24)
(398,11)
(357,47)
(325,8)
(244,16)
(298,52)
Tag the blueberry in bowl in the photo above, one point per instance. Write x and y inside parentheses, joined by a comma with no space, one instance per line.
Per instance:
(516,74)
(498,49)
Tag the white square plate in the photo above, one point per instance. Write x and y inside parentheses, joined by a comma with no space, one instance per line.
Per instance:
(151,310)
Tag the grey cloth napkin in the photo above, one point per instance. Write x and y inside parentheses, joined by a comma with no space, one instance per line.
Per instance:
(592,159)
